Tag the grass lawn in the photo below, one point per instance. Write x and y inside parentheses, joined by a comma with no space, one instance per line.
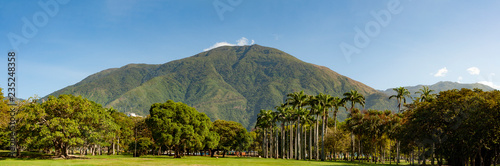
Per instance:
(123,160)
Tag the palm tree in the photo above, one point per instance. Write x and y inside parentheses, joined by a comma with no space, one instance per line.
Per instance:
(401,95)
(425,94)
(324,101)
(315,109)
(283,116)
(354,97)
(302,114)
(336,102)
(297,99)
(263,121)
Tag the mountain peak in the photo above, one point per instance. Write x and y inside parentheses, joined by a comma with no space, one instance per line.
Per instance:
(229,83)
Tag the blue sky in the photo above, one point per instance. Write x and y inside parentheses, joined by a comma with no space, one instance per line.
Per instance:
(383,44)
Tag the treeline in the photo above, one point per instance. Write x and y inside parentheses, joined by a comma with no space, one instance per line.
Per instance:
(455,127)
(73,125)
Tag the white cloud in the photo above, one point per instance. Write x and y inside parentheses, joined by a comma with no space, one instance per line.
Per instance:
(491,84)
(473,71)
(240,42)
(441,72)
(460,78)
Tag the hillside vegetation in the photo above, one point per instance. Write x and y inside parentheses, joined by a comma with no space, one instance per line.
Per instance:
(229,83)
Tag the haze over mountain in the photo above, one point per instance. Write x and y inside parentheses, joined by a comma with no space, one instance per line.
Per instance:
(441,86)
(230,83)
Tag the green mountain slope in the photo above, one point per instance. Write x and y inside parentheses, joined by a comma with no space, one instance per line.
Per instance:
(229,83)
(441,86)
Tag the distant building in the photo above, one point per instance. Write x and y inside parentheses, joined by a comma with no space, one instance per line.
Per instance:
(133,115)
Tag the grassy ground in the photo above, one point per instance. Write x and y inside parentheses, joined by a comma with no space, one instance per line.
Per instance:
(123,160)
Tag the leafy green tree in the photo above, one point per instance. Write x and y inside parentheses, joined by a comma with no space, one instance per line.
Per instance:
(143,141)
(233,136)
(4,122)
(125,133)
(178,125)
(63,122)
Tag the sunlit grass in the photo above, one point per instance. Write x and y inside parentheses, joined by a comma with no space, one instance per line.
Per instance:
(123,160)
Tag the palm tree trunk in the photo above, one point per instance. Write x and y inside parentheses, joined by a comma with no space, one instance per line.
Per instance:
(310,141)
(316,141)
(290,150)
(298,139)
(323,138)
(265,144)
(283,140)
(271,143)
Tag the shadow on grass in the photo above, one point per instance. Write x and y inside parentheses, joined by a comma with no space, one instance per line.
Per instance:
(36,156)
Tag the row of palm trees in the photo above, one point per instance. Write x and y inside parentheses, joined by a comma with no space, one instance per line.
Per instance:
(303,113)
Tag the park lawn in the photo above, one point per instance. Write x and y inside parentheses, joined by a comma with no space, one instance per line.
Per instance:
(123,160)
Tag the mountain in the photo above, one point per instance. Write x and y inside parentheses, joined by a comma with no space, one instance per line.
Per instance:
(441,86)
(230,83)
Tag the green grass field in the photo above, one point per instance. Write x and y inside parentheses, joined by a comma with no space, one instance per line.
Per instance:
(123,160)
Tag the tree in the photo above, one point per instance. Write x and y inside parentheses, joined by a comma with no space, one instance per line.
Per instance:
(336,103)
(425,94)
(125,134)
(401,95)
(233,136)
(63,122)
(178,125)
(315,109)
(353,97)
(325,101)
(298,100)
(264,119)
(4,122)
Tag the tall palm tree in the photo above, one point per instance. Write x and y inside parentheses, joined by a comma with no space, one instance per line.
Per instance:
(336,103)
(302,114)
(297,99)
(353,97)
(425,94)
(316,109)
(325,102)
(401,95)
(282,116)
(263,121)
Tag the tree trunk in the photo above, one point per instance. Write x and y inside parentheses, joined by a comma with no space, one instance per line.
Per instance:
(352,140)
(264,144)
(276,139)
(323,137)
(397,152)
(283,141)
(290,151)
(310,141)
(316,140)
(271,143)
(118,147)
(298,141)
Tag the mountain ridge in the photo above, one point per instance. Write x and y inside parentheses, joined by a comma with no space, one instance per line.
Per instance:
(229,82)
